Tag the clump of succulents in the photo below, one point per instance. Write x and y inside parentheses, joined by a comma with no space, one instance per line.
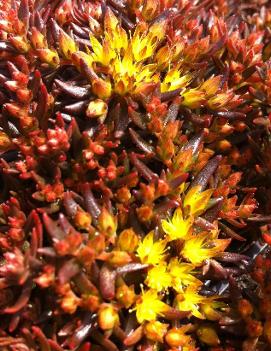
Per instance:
(135,183)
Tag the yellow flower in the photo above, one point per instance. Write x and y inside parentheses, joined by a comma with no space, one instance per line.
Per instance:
(144,42)
(211,86)
(174,79)
(196,200)
(177,338)
(219,100)
(158,278)
(149,306)
(123,58)
(167,54)
(114,33)
(155,330)
(182,274)
(177,227)
(183,161)
(151,252)
(190,300)
(202,247)
(193,98)
(102,53)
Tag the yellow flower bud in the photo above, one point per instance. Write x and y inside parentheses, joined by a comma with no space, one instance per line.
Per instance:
(209,312)
(176,337)
(127,240)
(90,302)
(5,142)
(101,88)
(69,302)
(48,56)
(119,258)
(96,108)
(107,317)
(126,295)
(224,145)
(82,219)
(20,43)
(193,98)
(208,335)
(155,330)
(144,213)
(107,223)
(123,194)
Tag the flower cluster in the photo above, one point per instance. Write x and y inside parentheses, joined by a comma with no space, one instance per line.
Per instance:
(135,175)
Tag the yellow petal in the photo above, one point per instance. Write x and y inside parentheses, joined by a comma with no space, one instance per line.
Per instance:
(196,200)
(177,227)
(151,252)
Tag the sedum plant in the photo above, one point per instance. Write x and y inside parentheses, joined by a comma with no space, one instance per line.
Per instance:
(134,140)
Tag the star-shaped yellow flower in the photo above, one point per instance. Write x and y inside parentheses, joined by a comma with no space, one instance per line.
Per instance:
(203,246)
(177,227)
(150,251)
(149,306)
(158,277)
(182,274)
(190,300)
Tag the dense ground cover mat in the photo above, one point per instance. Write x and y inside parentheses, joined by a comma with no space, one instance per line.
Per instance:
(135,162)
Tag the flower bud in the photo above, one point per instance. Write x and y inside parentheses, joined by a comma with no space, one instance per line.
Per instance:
(82,219)
(107,317)
(119,258)
(226,129)
(127,240)
(20,43)
(5,142)
(67,45)
(70,302)
(24,95)
(210,313)
(224,145)
(48,56)
(96,108)
(63,13)
(254,327)
(175,338)
(193,98)
(107,223)
(101,88)
(123,194)
(90,302)
(144,213)
(245,308)
(126,295)
(155,330)
(208,335)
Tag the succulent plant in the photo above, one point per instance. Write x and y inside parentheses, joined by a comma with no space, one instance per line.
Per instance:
(135,186)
